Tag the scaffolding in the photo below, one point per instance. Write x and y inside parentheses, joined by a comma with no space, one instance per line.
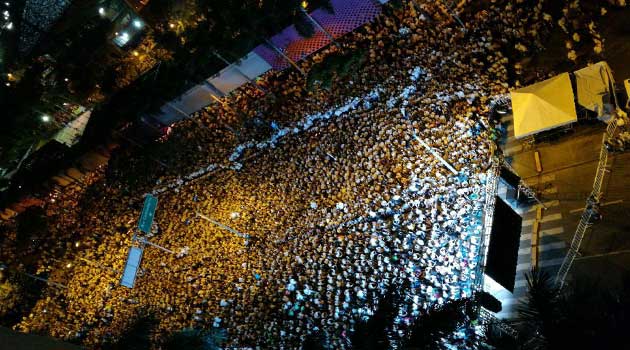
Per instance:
(588,214)
(492,185)
(488,320)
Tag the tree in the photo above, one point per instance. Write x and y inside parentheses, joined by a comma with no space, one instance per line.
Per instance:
(540,314)
(441,322)
(9,295)
(138,336)
(31,224)
(18,295)
(314,341)
(373,333)
(583,315)
(196,339)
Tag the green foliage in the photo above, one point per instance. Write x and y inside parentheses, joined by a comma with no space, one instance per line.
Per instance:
(583,315)
(18,294)
(9,295)
(21,126)
(32,223)
(338,65)
(373,333)
(440,323)
(83,61)
(137,337)
(196,339)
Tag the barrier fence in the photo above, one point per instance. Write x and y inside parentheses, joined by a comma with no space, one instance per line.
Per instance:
(346,17)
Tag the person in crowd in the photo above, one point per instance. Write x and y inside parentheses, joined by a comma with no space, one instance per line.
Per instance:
(337,199)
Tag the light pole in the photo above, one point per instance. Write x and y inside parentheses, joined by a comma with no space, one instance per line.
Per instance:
(435,154)
(225,227)
(318,25)
(143,240)
(452,13)
(55,284)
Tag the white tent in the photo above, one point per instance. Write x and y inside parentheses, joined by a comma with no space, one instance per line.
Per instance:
(595,85)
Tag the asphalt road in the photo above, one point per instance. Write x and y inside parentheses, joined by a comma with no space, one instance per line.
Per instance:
(569,166)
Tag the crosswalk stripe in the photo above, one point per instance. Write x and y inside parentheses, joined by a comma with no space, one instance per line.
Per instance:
(513,149)
(520,283)
(552,231)
(548,204)
(547,232)
(551,262)
(507,315)
(542,248)
(546,218)
(511,301)
(541,263)
(541,180)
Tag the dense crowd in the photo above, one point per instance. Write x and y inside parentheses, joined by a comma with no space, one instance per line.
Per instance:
(37,17)
(336,197)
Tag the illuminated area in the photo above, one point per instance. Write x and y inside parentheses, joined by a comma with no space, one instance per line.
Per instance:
(298,204)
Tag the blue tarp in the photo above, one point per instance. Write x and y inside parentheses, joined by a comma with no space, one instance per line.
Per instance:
(131,267)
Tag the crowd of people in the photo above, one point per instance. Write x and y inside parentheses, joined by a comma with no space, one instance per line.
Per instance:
(329,197)
(37,17)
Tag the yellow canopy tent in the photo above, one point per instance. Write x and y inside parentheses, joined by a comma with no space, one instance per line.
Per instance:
(594,88)
(543,106)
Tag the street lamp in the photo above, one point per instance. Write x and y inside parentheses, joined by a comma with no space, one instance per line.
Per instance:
(101,11)
(137,23)
(45,118)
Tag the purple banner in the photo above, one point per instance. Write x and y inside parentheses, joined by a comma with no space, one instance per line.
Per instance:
(348,15)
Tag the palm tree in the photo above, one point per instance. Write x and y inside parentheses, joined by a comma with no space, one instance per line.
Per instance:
(583,315)
(540,313)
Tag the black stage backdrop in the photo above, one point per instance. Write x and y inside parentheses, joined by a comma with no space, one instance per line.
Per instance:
(509,177)
(503,249)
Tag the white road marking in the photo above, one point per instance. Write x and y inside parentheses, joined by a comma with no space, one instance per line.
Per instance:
(541,263)
(545,218)
(548,204)
(520,283)
(507,315)
(540,180)
(543,247)
(513,149)
(579,210)
(547,232)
